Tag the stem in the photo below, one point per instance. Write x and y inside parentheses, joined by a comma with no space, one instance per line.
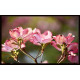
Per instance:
(40,54)
(29,56)
(64,54)
(61,59)
(17,59)
(42,50)
(41,58)
(37,54)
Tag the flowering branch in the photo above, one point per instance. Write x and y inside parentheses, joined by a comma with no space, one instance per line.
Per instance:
(20,36)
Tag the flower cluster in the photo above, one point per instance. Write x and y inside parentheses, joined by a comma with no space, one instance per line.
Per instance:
(68,49)
(20,36)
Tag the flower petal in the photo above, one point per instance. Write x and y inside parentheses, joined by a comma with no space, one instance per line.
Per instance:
(6,48)
(73,47)
(20,29)
(22,45)
(45,61)
(69,38)
(15,33)
(36,39)
(47,35)
(27,34)
(73,59)
(36,31)
(9,45)
(60,39)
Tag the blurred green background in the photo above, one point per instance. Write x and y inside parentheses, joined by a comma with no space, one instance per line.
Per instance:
(56,24)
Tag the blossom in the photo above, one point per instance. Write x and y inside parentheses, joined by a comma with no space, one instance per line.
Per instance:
(62,40)
(20,33)
(11,45)
(73,59)
(36,31)
(64,44)
(59,39)
(69,38)
(38,38)
(72,49)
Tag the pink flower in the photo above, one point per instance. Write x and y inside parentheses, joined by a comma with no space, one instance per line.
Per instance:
(64,44)
(45,61)
(10,45)
(60,40)
(73,58)
(69,38)
(72,49)
(20,33)
(39,38)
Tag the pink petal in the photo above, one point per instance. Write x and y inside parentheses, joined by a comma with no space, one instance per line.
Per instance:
(46,41)
(36,31)
(6,48)
(59,39)
(53,43)
(36,39)
(47,35)
(73,47)
(22,45)
(39,38)
(9,45)
(14,34)
(45,61)
(73,59)
(27,34)
(20,29)
(69,38)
